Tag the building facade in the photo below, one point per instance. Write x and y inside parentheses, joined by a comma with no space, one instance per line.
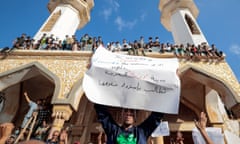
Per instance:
(56,76)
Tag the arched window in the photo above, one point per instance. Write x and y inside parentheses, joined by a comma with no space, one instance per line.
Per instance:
(191,24)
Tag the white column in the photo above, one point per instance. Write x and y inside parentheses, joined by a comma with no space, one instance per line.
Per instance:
(64,24)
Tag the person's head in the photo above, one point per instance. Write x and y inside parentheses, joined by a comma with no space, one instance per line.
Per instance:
(24,35)
(55,135)
(150,39)
(128,117)
(179,136)
(39,102)
(10,139)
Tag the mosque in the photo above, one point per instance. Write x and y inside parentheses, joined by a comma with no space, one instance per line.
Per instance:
(57,77)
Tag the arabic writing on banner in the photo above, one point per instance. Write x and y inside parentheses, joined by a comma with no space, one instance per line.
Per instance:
(133,82)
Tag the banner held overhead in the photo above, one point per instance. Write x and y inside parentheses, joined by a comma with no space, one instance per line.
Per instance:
(133,82)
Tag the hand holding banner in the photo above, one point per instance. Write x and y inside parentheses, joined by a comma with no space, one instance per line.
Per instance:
(133,82)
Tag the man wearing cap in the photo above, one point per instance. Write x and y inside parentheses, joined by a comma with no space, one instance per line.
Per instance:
(127,132)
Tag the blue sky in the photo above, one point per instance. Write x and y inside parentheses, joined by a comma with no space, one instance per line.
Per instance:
(130,19)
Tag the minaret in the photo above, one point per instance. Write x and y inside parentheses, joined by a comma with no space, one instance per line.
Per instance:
(66,17)
(179,17)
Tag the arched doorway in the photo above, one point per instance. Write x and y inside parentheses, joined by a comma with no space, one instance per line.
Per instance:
(200,91)
(197,83)
(32,78)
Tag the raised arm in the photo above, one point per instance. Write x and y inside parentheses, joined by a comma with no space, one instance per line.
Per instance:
(201,126)
(27,97)
(105,118)
(151,123)
(99,138)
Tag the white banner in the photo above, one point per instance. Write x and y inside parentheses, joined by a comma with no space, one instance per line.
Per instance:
(133,82)
(161,130)
(231,138)
(215,135)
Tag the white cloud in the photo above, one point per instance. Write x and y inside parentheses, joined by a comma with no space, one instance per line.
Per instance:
(142,16)
(124,24)
(113,4)
(235,48)
(107,13)
(110,7)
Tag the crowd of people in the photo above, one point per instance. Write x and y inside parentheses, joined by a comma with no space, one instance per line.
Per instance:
(129,133)
(38,129)
(137,47)
(110,131)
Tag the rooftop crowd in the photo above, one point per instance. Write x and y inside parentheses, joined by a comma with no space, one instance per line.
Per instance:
(136,47)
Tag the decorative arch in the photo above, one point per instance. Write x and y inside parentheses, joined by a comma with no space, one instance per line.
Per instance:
(75,95)
(28,71)
(226,93)
(37,80)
